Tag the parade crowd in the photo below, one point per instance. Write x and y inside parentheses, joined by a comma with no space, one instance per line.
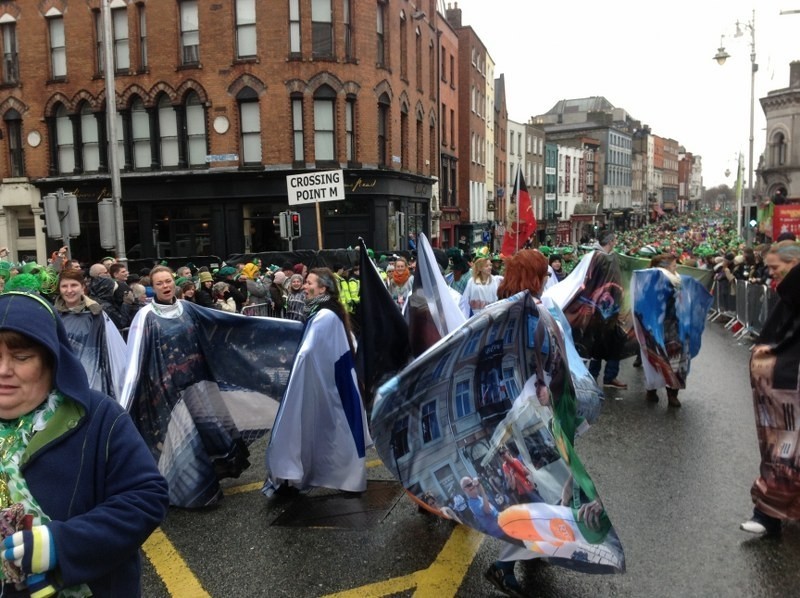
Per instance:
(135,337)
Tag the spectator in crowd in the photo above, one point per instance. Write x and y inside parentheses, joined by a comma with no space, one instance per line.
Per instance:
(400,282)
(102,291)
(203,295)
(188,291)
(222,297)
(774,373)
(557,265)
(237,283)
(481,289)
(98,271)
(296,299)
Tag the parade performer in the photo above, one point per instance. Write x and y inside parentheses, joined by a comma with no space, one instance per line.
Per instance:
(774,371)
(321,435)
(481,289)
(504,379)
(92,335)
(669,318)
(592,298)
(80,492)
(201,385)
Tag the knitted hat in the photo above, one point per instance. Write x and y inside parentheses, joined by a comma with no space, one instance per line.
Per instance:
(251,271)
(297,268)
(33,317)
(227,271)
(280,277)
(205,277)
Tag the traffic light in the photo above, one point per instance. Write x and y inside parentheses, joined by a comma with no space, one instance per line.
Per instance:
(283,223)
(294,217)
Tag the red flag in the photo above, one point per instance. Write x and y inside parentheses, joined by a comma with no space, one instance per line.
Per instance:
(525,225)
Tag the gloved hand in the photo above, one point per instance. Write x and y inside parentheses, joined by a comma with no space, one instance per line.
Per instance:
(32,550)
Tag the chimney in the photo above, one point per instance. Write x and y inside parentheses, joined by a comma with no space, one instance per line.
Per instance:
(454,15)
(794,73)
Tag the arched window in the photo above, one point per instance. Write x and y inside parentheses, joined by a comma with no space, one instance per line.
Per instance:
(13,121)
(90,148)
(64,141)
(324,124)
(404,134)
(195,130)
(420,144)
(779,150)
(350,127)
(298,136)
(383,130)
(140,127)
(168,132)
(249,126)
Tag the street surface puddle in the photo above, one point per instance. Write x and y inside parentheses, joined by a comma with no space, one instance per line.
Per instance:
(342,511)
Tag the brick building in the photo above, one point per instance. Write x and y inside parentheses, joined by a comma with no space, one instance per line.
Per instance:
(217,102)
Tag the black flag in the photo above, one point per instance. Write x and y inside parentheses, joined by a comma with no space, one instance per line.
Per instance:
(384,348)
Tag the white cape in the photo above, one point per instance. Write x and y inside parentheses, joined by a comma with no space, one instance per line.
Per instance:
(321,434)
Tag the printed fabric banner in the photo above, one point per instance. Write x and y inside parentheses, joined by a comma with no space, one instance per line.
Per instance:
(669,324)
(480,429)
(100,348)
(203,384)
(594,302)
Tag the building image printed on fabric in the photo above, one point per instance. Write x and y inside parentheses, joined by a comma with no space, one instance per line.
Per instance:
(460,400)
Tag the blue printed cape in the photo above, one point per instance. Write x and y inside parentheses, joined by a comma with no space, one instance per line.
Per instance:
(500,381)
(100,348)
(669,324)
(202,384)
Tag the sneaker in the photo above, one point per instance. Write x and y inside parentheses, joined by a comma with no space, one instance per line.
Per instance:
(761,523)
(505,582)
(616,383)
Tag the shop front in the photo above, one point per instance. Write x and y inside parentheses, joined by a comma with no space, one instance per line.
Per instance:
(233,212)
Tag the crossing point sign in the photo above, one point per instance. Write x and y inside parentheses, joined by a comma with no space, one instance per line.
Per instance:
(313,187)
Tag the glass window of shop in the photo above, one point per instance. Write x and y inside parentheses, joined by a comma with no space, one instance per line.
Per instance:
(184,230)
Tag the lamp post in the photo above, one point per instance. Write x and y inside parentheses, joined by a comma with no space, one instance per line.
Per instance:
(721,56)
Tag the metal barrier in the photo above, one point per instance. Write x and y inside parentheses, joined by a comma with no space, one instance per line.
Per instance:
(743,303)
(266,310)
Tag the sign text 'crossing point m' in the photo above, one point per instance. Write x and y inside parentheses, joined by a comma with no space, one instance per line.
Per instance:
(313,187)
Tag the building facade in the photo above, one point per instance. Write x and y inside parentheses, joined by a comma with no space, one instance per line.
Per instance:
(217,103)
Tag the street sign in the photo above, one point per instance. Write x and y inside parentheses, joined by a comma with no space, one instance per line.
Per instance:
(314,187)
(222,158)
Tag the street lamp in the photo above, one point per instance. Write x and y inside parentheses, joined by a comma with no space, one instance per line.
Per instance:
(721,56)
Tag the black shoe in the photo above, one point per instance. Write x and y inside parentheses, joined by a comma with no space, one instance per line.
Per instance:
(761,523)
(505,582)
(638,361)
(652,396)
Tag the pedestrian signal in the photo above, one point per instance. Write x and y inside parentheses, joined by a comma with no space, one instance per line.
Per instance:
(295,224)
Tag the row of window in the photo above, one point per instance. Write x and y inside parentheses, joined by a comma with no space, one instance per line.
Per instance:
(169,136)
(322,38)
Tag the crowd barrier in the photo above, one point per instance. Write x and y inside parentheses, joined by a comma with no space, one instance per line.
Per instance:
(267,310)
(745,305)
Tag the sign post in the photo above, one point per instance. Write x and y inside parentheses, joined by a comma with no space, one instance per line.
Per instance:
(315,187)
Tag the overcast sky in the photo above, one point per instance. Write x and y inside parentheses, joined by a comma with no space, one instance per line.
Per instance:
(655,60)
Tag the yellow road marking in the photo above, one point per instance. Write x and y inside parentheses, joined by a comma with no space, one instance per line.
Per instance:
(441,579)
(171,568)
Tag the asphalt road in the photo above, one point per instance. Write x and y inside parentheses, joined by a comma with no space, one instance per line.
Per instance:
(675,483)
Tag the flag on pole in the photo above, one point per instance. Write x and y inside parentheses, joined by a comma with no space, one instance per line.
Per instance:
(525,225)
(383,348)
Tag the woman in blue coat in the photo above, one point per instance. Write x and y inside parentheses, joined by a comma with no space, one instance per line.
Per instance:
(79,490)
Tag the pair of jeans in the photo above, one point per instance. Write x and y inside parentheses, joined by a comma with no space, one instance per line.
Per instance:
(610,373)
